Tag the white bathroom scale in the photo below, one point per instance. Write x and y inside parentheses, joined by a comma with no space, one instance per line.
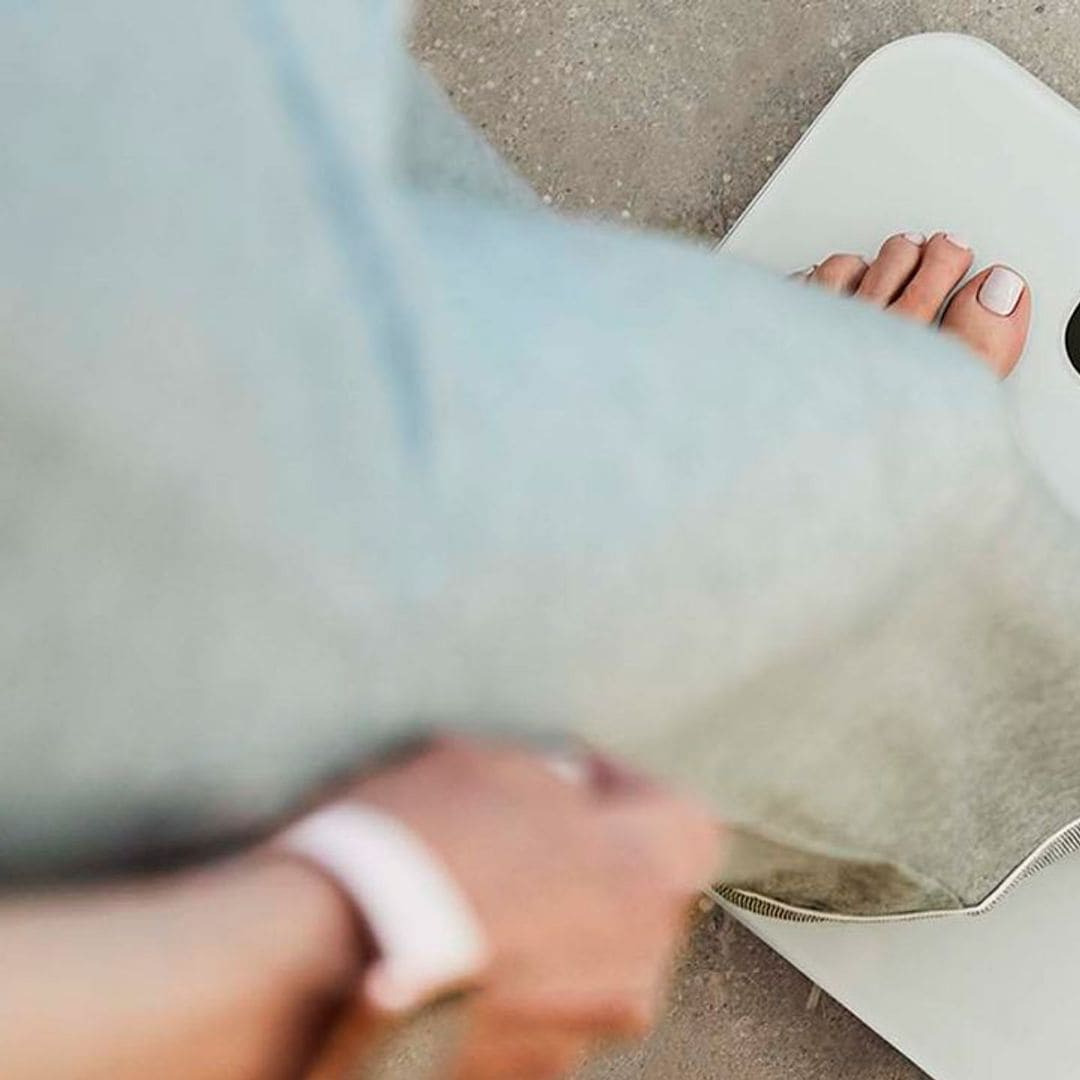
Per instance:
(944,132)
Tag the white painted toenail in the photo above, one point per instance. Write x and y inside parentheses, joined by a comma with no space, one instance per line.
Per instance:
(957,242)
(916,238)
(1001,291)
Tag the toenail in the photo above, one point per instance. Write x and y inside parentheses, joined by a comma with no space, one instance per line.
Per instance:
(957,242)
(915,238)
(1001,291)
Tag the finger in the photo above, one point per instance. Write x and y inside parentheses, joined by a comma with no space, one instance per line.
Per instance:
(570,768)
(511,766)
(617,1013)
(602,775)
(678,841)
(498,1047)
(613,778)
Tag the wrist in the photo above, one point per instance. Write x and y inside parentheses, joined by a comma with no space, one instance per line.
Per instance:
(320,943)
(427,939)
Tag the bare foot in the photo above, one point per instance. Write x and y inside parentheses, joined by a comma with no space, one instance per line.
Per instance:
(913,277)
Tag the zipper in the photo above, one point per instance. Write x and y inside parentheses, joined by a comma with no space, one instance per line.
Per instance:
(1066,841)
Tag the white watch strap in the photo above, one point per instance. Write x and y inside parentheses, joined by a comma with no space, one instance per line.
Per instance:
(428,937)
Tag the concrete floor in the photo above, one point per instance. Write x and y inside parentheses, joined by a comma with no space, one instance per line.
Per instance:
(671,114)
(736,1012)
(739,1012)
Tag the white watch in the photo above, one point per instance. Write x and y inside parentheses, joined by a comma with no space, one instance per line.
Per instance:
(428,938)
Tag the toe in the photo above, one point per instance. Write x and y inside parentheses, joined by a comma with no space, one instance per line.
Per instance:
(945,261)
(893,268)
(991,313)
(840,273)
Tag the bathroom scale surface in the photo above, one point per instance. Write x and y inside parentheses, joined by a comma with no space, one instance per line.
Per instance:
(942,131)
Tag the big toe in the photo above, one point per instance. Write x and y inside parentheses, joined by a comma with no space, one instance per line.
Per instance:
(991,313)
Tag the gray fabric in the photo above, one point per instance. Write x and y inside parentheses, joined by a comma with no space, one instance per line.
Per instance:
(317,432)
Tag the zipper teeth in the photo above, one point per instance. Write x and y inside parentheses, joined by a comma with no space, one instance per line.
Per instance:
(1066,841)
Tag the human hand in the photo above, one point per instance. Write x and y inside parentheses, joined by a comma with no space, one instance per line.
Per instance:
(582,888)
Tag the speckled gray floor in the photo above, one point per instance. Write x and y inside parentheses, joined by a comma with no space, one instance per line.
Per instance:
(740,1012)
(672,114)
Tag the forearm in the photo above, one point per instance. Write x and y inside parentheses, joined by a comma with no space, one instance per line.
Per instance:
(233,971)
